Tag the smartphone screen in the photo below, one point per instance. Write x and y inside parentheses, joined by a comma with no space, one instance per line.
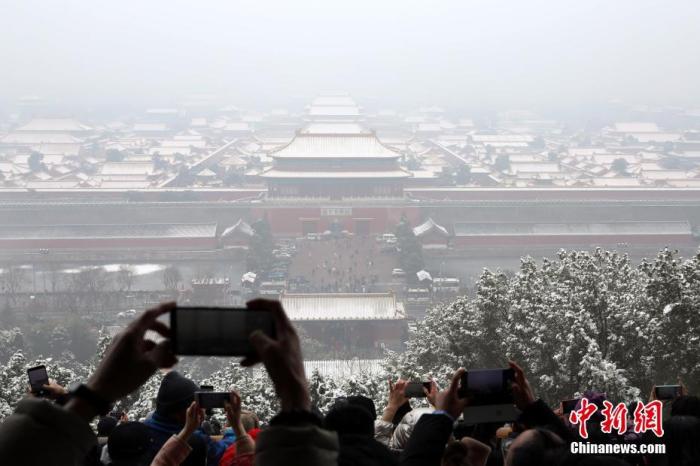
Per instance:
(667,392)
(209,400)
(569,405)
(212,331)
(415,389)
(487,386)
(38,377)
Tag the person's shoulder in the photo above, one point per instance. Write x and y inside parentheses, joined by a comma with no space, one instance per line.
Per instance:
(36,418)
(358,449)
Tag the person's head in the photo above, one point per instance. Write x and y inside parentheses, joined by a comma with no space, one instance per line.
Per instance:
(215,426)
(105,426)
(455,454)
(535,447)
(596,398)
(363,402)
(686,406)
(682,439)
(349,419)
(249,420)
(175,395)
(465,452)
(129,444)
(405,428)
(206,427)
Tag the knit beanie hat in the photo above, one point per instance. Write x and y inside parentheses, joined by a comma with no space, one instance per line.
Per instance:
(175,394)
(129,443)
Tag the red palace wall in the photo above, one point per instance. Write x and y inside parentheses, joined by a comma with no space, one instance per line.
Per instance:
(289,220)
(433,238)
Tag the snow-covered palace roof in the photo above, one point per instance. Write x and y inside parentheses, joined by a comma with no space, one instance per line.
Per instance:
(328,145)
(241,227)
(342,306)
(428,226)
(339,369)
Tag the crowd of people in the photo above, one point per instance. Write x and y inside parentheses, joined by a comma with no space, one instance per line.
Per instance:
(58,429)
(340,265)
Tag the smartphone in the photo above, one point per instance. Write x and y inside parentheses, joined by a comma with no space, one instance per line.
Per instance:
(487,386)
(38,377)
(415,389)
(217,331)
(667,392)
(569,405)
(206,388)
(209,400)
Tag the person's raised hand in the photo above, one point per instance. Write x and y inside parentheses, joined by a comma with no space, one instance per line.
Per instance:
(397,393)
(448,400)
(281,356)
(522,391)
(130,359)
(431,394)
(233,409)
(53,390)
(193,419)
(397,397)
(244,443)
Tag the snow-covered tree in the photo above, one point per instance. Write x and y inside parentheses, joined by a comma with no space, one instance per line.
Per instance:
(364,383)
(13,379)
(576,318)
(323,391)
(142,402)
(253,384)
(584,320)
(11,340)
(673,286)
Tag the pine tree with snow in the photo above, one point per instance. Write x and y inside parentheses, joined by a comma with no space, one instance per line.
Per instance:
(584,320)
(323,391)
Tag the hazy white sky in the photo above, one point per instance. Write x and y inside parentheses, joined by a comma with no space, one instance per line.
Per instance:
(396,52)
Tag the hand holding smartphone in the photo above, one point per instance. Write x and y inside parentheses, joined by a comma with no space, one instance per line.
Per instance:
(416,389)
(487,386)
(38,377)
(668,392)
(209,399)
(569,405)
(490,396)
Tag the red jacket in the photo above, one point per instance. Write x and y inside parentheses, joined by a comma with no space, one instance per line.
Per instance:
(230,453)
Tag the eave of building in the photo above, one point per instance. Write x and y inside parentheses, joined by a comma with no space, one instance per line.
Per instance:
(280,174)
